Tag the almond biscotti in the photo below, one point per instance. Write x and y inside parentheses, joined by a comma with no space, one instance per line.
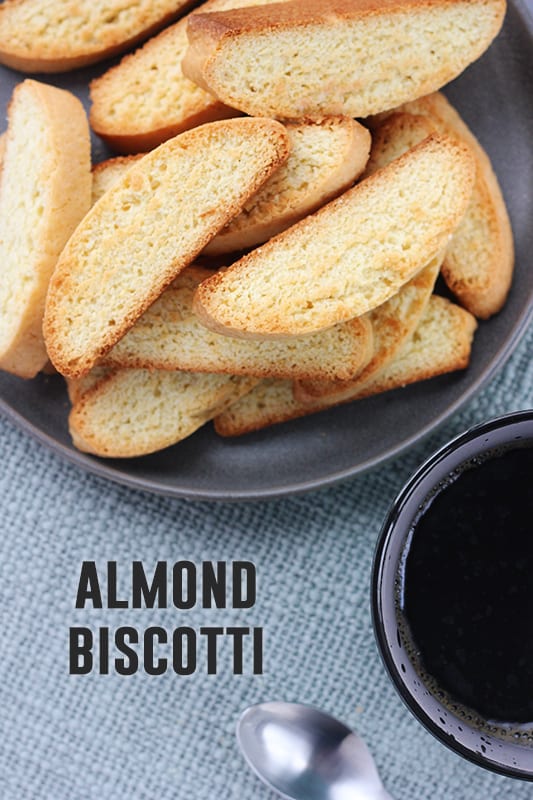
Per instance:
(106,174)
(478,266)
(45,190)
(169,336)
(441,343)
(146,99)
(57,35)
(134,412)
(350,256)
(149,226)
(352,57)
(327,156)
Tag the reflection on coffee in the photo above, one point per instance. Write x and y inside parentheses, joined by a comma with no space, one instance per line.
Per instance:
(467,586)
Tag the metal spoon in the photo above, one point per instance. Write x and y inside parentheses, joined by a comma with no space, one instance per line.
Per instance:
(304,754)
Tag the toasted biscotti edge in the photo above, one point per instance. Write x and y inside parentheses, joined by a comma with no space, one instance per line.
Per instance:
(134,136)
(271,402)
(393,135)
(77,387)
(106,173)
(442,343)
(56,204)
(161,102)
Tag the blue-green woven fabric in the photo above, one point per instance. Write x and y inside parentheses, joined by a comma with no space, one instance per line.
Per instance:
(110,737)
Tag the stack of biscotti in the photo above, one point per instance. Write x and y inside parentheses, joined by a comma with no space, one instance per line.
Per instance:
(143,231)
(146,99)
(347,62)
(169,337)
(349,257)
(259,254)
(168,356)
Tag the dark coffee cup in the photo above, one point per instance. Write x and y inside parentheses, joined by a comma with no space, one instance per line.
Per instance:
(430,624)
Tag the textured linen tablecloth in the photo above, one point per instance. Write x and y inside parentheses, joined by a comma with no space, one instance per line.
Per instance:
(66,737)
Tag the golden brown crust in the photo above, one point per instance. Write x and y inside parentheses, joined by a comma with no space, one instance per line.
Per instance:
(123,161)
(275,404)
(133,135)
(458,331)
(394,135)
(77,387)
(145,100)
(144,142)
(295,14)
(169,337)
(106,173)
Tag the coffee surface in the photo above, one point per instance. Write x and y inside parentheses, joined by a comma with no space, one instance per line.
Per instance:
(468,587)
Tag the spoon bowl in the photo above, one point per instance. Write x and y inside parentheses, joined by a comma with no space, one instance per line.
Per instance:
(303,753)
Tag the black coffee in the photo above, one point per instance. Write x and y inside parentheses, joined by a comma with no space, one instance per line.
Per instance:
(468,587)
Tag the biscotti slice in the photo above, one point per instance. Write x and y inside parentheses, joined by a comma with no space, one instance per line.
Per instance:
(135,412)
(149,226)
(392,324)
(351,57)
(45,190)
(146,99)
(169,336)
(350,256)
(326,157)
(479,261)
(47,36)
(441,343)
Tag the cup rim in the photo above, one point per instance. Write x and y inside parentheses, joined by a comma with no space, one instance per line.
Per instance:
(397,523)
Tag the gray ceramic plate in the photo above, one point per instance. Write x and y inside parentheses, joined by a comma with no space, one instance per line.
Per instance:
(495,97)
